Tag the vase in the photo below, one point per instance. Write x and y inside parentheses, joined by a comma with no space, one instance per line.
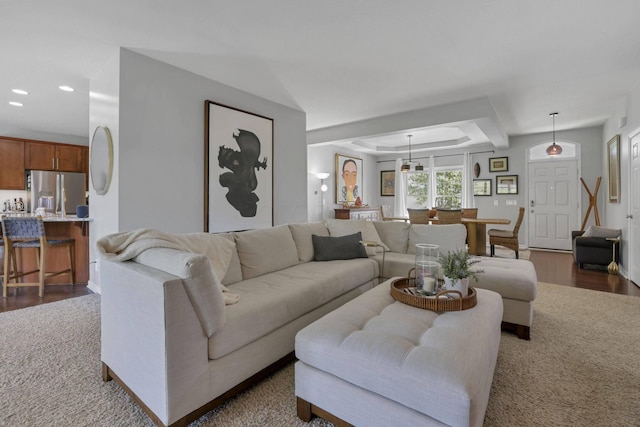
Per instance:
(426,268)
(461,285)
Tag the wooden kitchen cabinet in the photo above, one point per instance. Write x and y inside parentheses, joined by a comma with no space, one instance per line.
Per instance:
(54,157)
(11,164)
(85,165)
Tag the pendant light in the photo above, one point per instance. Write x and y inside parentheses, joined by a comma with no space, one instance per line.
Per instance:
(554,149)
(407,166)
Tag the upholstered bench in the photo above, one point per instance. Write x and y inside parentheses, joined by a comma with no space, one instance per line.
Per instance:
(378,362)
(517,282)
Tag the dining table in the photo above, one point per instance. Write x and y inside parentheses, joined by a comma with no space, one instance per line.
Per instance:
(477,233)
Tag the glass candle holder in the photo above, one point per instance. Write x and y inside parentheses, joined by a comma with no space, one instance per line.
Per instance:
(427,268)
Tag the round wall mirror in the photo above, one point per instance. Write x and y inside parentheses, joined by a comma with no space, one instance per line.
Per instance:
(101,162)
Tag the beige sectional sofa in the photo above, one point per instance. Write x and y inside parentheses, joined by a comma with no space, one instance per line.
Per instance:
(169,339)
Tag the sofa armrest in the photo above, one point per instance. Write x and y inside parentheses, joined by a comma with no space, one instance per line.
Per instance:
(203,288)
(594,242)
(151,336)
(576,233)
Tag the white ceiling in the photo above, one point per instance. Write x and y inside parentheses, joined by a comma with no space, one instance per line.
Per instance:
(339,61)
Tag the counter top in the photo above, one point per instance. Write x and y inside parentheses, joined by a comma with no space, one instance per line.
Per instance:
(52,217)
(66,218)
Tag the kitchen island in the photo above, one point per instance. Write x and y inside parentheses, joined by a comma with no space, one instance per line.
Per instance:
(58,227)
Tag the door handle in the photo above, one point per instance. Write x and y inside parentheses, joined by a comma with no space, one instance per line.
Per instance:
(533,203)
(630,216)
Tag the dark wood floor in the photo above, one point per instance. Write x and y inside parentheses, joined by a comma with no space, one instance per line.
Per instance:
(27,297)
(551,267)
(559,268)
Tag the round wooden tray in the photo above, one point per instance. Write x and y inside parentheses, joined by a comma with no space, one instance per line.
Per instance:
(442,301)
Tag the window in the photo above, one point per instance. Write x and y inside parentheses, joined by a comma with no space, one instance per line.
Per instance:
(446,193)
(418,189)
(449,188)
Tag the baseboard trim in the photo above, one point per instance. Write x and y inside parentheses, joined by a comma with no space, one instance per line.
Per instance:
(94,287)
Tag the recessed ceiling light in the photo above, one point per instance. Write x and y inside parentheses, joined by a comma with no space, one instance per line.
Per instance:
(20,92)
(16,104)
(66,88)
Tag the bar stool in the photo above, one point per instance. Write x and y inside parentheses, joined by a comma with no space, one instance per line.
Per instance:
(28,232)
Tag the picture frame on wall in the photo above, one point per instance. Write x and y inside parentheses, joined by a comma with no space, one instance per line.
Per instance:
(507,184)
(498,164)
(238,156)
(482,187)
(348,179)
(613,162)
(388,183)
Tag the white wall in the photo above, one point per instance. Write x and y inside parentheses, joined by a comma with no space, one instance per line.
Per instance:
(628,110)
(104,110)
(162,146)
(159,146)
(17,132)
(322,158)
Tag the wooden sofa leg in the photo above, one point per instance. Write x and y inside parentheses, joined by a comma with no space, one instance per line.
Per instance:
(523,332)
(106,376)
(304,409)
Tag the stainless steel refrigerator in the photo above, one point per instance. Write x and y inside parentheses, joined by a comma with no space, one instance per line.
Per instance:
(46,188)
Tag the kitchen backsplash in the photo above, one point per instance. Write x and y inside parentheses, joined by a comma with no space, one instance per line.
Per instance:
(12,196)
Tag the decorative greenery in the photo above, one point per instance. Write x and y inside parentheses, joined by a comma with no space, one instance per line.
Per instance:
(456,265)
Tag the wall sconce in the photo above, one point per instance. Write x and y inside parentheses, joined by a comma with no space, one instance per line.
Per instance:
(322,176)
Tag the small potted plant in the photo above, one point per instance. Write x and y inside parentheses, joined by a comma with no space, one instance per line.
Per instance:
(456,269)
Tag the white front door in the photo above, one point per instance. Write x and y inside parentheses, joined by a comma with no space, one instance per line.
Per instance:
(553,204)
(634,234)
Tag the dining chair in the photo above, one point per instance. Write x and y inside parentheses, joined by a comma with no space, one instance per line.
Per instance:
(418,216)
(470,213)
(449,216)
(29,233)
(506,238)
(385,213)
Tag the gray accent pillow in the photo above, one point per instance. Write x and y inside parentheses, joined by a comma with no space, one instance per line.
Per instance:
(343,247)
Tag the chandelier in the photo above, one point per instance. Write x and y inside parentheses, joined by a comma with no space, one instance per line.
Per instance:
(554,149)
(406,166)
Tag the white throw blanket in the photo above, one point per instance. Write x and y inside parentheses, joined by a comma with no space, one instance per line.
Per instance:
(127,245)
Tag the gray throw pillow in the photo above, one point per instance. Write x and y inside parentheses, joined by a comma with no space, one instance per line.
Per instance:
(343,247)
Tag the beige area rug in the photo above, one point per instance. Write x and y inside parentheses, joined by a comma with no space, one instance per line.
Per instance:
(581,368)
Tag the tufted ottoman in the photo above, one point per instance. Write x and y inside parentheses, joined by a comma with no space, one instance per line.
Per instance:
(378,362)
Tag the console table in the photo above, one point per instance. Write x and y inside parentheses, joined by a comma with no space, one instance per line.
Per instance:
(372,214)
